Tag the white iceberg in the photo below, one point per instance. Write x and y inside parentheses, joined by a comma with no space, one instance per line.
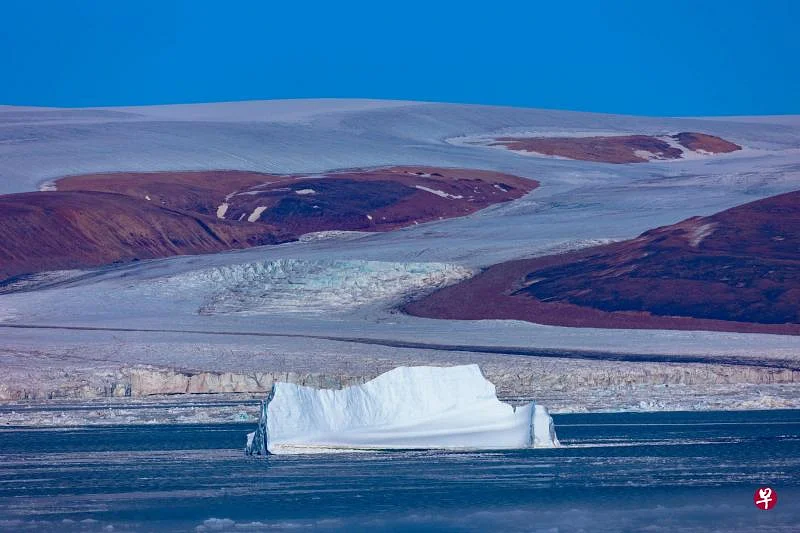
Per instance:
(420,407)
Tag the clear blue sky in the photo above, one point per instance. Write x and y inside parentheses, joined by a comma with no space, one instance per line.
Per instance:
(701,57)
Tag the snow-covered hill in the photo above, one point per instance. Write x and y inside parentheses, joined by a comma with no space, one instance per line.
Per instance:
(577,204)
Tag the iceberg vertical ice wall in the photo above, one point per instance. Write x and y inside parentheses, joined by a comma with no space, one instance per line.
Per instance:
(406,408)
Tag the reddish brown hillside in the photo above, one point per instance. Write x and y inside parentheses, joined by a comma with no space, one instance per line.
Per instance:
(738,270)
(706,143)
(373,200)
(619,148)
(61,230)
(198,192)
(105,218)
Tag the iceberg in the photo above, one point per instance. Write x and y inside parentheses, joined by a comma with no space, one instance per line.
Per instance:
(423,407)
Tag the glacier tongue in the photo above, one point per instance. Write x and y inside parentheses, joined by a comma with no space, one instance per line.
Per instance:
(420,407)
(286,286)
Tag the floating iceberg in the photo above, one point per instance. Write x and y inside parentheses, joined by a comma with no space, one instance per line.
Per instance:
(406,408)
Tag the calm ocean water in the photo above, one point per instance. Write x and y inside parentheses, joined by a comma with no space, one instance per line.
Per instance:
(663,471)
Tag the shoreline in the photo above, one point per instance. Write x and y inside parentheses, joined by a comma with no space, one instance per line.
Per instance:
(194,409)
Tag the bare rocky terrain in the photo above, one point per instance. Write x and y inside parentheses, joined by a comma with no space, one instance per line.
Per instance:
(738,270)
(93,220)
(620,149)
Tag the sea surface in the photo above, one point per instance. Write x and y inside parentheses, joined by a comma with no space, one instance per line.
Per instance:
(624,471)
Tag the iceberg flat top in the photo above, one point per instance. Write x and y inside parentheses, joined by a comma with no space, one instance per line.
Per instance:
(406,408)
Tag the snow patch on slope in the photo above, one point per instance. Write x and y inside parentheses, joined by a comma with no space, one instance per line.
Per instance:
(699,233)
(298,286)
(421,407)
(256,214)
(646,155)
(437,192)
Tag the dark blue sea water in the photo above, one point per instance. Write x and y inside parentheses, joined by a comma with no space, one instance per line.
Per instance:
(617,472)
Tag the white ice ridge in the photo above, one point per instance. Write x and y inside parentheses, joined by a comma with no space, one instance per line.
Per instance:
(422,407)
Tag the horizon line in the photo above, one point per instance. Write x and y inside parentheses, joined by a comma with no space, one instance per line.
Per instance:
(391,100)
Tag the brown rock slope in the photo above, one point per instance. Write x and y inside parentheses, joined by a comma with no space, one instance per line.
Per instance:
(738,270)
(196,192)
(60,230)
(619,148)
(702,142)
(106,218)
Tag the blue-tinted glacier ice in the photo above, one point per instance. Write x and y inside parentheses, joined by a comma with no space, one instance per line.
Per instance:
(420,407)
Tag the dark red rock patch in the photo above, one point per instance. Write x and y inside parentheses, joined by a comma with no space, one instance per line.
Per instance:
(99,219)
(706,143)
(74,229)
(375,200)
(197,192)
(738,270)
(619,148)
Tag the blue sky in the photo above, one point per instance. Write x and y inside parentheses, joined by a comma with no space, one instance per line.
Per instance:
(660,58)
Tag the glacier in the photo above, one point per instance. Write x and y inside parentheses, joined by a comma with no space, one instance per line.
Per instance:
(319,311)
(420,407)
(313,287)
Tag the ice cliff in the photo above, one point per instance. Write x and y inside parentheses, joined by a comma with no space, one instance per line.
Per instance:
(406,408)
